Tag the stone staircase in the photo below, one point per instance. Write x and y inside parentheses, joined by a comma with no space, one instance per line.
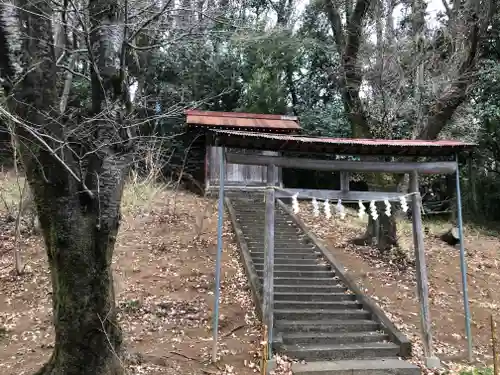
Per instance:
(317,317)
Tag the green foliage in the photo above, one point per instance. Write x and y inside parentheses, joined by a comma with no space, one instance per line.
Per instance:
(244,61)
(265,57)
(264,93)
(486,110)
(478,371)
(325,120)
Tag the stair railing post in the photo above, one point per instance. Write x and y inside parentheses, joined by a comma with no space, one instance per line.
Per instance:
(269,257)
(463,263)
(421,270)
(220,227)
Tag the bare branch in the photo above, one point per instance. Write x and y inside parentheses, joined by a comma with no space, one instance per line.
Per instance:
(71,71)
(28,128)
(150,20)
(447,8)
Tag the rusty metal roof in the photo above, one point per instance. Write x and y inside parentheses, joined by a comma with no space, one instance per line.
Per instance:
(238,120)
(341,146)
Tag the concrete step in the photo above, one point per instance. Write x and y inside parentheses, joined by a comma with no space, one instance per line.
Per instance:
(284,260)
(320,305)
(308,338)
(281,248)
(279,242)
(292,240)
(281,255)
(338,352)
(253,212)
(260,215)
(282,226)
(339,288)
(292,243)
(282,245)
(278,249)
(295,267)
(331,325)
(259,234)
(313,297)
(280,258)
(280,232)
(305,281)
(300,274)
(319,314)
(254,225)
(375,366)
(295,245)
(259,219)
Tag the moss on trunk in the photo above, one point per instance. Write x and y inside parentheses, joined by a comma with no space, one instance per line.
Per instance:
(88,338)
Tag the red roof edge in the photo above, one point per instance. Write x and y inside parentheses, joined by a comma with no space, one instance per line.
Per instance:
(194,112)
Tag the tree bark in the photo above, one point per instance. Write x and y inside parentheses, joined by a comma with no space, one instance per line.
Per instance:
(348,43)
(77,194)
(88,337)
(381,233)
(284,11)
(418,24)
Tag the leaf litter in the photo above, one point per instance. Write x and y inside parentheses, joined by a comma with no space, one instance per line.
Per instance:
(164,277)
(164,269)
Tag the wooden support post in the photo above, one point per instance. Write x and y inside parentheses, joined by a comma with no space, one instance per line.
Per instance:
(421,268)
(268,315)
(496,365)
(207,167)
(344,182)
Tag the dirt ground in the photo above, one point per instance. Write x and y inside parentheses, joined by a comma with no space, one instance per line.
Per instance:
(164,275)
(393,286)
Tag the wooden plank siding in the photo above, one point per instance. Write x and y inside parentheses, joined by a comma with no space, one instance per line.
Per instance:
(239,174)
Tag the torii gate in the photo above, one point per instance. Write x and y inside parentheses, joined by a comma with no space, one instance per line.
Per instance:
(414,148)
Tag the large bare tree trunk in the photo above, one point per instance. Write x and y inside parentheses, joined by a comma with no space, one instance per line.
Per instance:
(88,337)
(348,42)
(77,190)
(473,19)
(381,233)
(80,235)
